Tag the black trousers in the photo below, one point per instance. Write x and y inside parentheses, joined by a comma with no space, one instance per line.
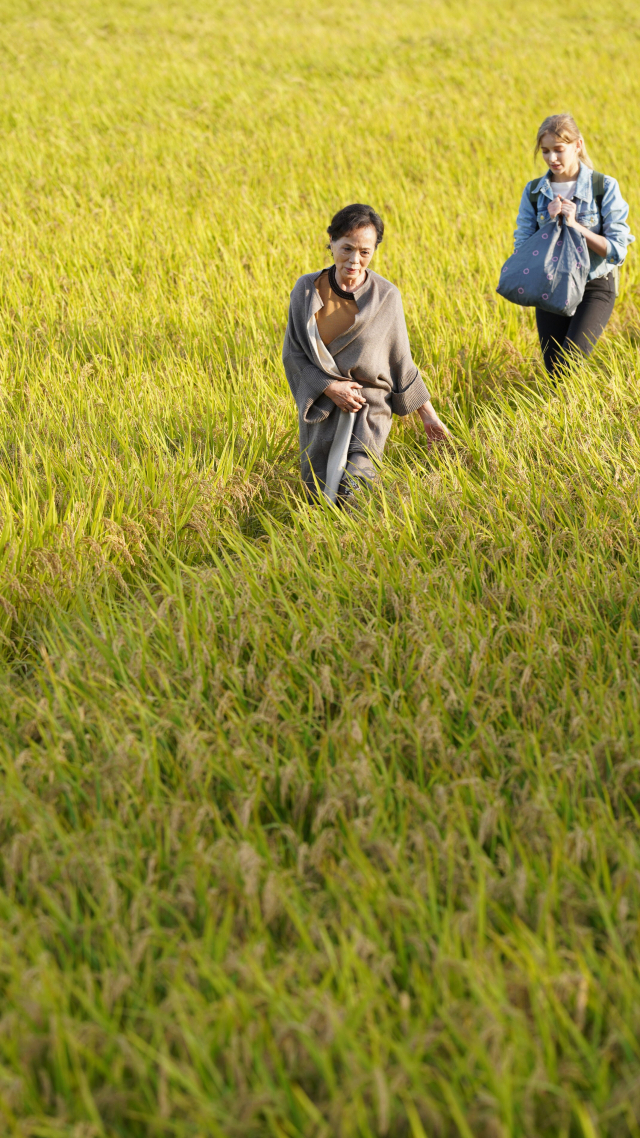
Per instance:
(562,334)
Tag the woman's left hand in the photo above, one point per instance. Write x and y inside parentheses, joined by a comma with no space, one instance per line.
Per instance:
(596,242)
(434,428)
(568,211)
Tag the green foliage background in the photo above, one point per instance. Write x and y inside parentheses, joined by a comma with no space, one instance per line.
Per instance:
(312,824)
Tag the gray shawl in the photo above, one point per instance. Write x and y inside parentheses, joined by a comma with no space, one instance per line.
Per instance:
(374,351)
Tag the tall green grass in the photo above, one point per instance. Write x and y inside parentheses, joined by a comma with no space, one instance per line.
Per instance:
(312,823)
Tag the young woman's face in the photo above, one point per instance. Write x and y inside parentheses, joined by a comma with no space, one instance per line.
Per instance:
(562,158)
(353,252)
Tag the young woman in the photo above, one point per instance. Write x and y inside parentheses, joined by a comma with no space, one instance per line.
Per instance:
(594,206)
(348,361)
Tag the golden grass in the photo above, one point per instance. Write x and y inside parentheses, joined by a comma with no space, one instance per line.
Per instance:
(312,824)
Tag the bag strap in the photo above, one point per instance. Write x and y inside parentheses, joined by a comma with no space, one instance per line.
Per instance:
(533,196)
(598,192)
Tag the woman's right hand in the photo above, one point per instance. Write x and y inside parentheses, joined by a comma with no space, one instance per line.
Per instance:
(345,393)
(555,206)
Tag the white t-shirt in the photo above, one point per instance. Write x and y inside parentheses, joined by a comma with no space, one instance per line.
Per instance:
(565,189)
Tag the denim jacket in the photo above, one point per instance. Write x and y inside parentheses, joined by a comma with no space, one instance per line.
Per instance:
(615,212)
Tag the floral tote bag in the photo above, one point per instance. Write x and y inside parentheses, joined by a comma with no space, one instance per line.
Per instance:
(548,271)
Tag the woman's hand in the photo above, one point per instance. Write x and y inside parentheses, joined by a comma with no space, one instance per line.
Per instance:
(596,242)
(345,393)
(434,428)
(566,208)
(569,213)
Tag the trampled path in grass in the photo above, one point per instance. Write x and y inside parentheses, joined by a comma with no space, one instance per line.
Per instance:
(313,824)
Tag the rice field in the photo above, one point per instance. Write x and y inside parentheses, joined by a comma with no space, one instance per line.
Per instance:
(313,824)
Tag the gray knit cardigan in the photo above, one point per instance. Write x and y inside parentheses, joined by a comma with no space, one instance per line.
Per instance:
(374,351)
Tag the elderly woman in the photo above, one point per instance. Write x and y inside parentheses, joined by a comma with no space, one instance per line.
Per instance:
(348,362)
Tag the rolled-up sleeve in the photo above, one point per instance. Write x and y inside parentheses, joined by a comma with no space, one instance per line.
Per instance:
(411,391)
(615,229)
(408,388)
(526,223)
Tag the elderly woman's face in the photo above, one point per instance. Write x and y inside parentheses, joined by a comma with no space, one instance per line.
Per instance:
(352,254)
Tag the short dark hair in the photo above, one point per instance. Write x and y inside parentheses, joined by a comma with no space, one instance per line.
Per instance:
(355,217)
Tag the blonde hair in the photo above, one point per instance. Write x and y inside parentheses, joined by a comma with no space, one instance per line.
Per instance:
(565,128)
